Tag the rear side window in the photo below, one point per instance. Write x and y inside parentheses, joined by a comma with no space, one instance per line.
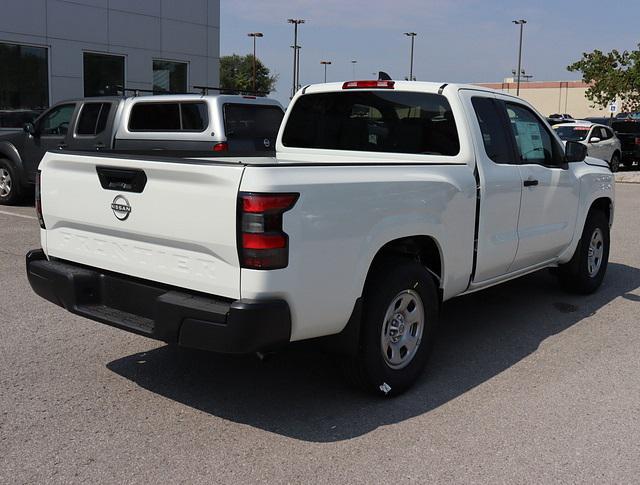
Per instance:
(169,117)
(93,118)
(251,121)
(494,135)
(194,116)
(374,121)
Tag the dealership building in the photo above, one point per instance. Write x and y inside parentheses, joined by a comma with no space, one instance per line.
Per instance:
(550,97)
(52,50)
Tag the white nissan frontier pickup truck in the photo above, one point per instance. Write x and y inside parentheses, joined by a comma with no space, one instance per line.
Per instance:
(384,199)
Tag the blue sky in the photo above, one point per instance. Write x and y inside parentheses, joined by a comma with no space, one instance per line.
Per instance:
(458,40)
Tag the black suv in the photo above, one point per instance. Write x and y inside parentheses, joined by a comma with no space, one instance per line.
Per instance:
(628,131)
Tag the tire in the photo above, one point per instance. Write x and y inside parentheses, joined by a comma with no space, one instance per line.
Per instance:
(584,273)
(615,162)
(10,190)
(389,325)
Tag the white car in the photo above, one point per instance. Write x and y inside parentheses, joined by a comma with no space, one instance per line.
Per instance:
(601,141)
(384,199)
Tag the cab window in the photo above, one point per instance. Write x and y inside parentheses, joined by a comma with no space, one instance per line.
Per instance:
(534,143)
(56,121)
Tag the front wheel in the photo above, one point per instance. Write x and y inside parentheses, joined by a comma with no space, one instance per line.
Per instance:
(586,269)
(400,314)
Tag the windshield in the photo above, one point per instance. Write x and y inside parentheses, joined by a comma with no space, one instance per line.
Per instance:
(572,132)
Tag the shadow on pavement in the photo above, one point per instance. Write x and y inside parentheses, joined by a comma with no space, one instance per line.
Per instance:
(300,393)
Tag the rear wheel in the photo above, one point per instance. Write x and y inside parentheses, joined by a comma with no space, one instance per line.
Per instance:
(586,270)
(9,184)
(400,314)
(615,162)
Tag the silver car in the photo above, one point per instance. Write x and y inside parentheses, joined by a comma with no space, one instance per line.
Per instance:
(600,140)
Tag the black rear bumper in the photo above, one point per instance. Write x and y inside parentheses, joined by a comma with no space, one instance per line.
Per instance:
(160,312)
(630,156)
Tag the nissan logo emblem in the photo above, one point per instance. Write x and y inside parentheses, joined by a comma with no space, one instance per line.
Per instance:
(121,208)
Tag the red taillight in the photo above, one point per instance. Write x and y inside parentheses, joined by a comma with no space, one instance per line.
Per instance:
(39,201)
(268,202)
(249,97)
(368,84)
(221,147)
(637,141)
(262,242)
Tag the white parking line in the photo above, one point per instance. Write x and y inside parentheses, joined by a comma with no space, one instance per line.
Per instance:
(18,215)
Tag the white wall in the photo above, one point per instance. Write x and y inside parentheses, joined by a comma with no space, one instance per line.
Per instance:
(141,30)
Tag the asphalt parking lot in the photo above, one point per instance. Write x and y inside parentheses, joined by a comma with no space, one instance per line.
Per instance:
(527,385)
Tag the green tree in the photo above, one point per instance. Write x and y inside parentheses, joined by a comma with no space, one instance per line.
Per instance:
(236,73)
(612,75)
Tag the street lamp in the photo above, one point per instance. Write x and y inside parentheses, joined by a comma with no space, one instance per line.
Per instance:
(413,36)
(296,72)
(296,55)
(325,64)
(254,35)
(353,64)
(521,23)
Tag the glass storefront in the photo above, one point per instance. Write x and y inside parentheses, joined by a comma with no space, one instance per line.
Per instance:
(169,76)
(103,74)
(24,83)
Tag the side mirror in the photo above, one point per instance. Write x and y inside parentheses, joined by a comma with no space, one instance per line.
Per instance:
(29,128)
(594,139)
(575,151)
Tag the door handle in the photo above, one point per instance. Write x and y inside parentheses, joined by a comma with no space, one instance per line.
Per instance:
(62,146)
(530,183)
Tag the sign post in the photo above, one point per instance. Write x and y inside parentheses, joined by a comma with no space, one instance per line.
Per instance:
(613,107)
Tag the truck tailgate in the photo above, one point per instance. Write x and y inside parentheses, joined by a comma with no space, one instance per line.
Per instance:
(177,228)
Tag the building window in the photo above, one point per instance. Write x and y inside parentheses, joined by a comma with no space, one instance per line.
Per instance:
(24,83)
(169,76)
(103,74)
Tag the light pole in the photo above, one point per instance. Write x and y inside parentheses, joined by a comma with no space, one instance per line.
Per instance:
(325,64)
(298,67)
(353,65)
(413,36)
(521,23)
(296,55)
(254,35)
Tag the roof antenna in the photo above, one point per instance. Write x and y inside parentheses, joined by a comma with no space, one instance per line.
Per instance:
(383,76)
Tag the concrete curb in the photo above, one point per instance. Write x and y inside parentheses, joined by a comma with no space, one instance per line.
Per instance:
(628,178)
